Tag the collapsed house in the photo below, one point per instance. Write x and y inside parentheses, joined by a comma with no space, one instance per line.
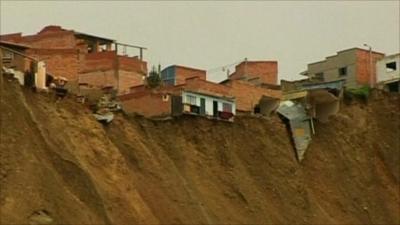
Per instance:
(29,71)
(86,60)
(388,73)
(254,85)
(305,100)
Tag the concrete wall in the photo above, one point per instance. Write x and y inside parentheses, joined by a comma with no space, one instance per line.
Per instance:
(355,60)
(384,74)
(330,67)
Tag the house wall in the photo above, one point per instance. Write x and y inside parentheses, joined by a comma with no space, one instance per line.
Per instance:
(248,96)
(168,75)
(266,71)
(17,62)
(382,73)
(147,104)
(330,67)
(98,69)
(182,73)
(209,105)
(59,62)
(176,75)
(355,60)
(207,87)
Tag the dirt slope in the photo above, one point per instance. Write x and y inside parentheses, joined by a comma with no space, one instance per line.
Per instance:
(59,166)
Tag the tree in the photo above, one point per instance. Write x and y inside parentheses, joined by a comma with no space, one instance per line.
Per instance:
(154,78)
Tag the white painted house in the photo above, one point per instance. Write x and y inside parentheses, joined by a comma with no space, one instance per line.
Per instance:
(388,73)
(208,105)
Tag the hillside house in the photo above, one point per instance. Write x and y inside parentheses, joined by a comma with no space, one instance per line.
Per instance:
(356,66)
(196,97)
(176,74)
(388,73)
(252,98)
(83,58)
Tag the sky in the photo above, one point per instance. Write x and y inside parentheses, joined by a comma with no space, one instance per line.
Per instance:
(216,35)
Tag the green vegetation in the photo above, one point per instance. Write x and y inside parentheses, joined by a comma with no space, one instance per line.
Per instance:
(361,93)
(154,78)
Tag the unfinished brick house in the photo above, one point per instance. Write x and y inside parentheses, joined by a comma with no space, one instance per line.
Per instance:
(357,66)
(256,72)
(176,74)
(251,98)
(195,96)
(83,58)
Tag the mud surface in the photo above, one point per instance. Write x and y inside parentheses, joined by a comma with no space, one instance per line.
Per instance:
(60,166)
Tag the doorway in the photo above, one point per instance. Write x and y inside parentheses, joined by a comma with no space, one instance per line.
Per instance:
(215,108)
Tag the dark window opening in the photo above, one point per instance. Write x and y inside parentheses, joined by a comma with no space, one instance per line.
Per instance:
(390,67)
(343,71)
(319,76)
(257,109)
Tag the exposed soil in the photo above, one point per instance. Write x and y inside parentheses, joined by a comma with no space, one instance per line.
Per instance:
(60,166)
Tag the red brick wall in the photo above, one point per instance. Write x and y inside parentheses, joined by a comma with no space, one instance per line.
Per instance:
(132,64)
(247,95)
(59,62)
(148,104)
(105,78)
(58,40)
(207,87)
(183,73)
(99,61)
(129,79)
(99,79)
(267,71)
(363,66)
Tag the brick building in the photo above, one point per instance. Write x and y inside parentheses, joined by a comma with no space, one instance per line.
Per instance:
(355,65)
(195,96)
(176,74)
(256,72)
(83,58)
(252,98)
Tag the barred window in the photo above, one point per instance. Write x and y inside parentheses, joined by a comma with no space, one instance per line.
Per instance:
(190,99)
(226,107)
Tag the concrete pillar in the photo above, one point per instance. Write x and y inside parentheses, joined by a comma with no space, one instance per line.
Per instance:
(108,47)
(40,76)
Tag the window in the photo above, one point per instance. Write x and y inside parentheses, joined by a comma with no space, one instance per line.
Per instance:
(343,71)
(165,98)
(226,107)
(190,99)
(319,76)
(390,67)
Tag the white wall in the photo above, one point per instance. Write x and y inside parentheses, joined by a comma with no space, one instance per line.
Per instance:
(209,102)
(382,74)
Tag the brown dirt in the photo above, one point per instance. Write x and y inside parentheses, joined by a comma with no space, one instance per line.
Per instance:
(59,164)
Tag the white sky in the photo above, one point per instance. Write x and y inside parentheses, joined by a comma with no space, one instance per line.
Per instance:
(211,34)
